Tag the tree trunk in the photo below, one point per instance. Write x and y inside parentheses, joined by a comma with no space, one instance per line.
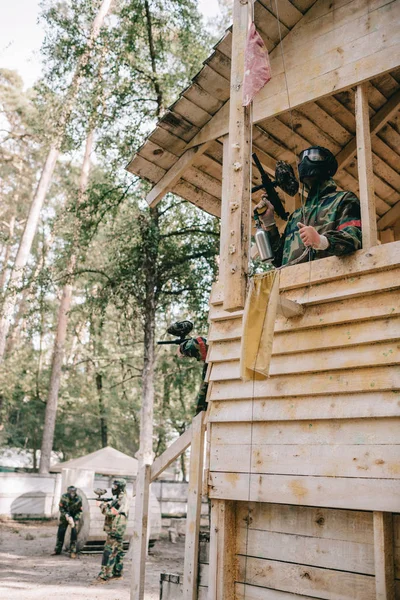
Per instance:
(103,420)
(44,183)
(61,334)
(7,253)
(149,235)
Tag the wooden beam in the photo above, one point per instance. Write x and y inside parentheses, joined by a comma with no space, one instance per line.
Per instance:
(288,308)
(238,237)
(339,65)
(139,537)
(390,217)
(223,560)
(365,169)
(190,569)
(224,224)
(376,123)
(387,236)
(171,454)
(383,550)
(171,177)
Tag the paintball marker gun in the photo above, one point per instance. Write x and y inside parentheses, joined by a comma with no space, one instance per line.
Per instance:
(285,179)
(181,329)
(100,492)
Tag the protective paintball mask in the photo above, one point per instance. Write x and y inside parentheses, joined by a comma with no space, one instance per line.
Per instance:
(317,162)
(71,491)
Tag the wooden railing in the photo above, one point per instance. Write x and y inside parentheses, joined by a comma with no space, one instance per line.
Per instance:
(194,437)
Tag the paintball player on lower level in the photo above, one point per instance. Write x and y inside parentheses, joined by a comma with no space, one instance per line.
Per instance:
(329,223)
(70,514)
(116,519)
(197,348)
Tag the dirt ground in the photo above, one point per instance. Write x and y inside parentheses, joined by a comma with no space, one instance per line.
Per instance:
(29,572)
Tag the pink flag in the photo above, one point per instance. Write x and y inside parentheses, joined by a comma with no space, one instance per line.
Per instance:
(257,70)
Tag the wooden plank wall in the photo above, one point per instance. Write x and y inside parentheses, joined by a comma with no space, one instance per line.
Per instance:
(319,441)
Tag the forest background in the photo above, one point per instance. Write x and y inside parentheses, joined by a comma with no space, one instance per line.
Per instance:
(90,276)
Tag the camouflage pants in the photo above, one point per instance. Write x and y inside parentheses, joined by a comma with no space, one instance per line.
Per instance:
(113,555)
(62,528)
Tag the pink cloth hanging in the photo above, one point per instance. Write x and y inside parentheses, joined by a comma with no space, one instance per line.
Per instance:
(257,69)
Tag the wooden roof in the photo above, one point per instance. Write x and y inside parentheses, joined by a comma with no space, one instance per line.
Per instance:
(328,121)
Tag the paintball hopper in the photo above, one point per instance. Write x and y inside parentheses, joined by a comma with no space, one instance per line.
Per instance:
(285,178)
(180,329)
(100,492)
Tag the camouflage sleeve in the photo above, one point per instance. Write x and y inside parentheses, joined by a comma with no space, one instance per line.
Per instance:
(63,507)
(195,348)
(201,400)
(346,238)
(118,506)
(277,243)
(78,514)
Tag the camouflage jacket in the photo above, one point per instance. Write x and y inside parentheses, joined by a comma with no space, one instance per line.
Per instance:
(197,348)
(333,214)
(70,506)
(116,513)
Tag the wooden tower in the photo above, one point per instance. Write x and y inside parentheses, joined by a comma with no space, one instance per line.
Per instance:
(303,469)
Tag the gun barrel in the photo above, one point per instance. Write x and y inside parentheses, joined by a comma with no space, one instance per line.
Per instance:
(177,341)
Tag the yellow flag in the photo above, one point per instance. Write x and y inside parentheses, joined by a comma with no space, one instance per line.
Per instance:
(258,325)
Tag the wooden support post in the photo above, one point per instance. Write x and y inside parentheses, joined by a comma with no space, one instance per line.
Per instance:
(383,550)
(224,224)
(139,538)
(223,560)
(238,235)
(365,170)
(194,509)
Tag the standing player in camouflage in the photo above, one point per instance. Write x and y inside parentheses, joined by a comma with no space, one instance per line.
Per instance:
(329,224)
(197,348)
(116,513)
(70,514)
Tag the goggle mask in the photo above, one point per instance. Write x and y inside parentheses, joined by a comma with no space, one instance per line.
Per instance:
(314,155)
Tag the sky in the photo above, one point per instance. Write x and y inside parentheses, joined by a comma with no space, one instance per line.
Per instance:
(21,35)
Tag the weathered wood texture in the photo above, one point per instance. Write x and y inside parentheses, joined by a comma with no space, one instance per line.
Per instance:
(365,168)
(194,509)
(334,46)
(324,428)
(305,552)
(238,239)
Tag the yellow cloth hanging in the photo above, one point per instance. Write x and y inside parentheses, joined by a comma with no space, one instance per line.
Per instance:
(258,325)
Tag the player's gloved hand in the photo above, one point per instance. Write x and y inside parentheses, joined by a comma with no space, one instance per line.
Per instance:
(310,237)
(266,211)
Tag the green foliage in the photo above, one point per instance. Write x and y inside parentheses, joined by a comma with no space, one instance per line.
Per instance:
(135,265)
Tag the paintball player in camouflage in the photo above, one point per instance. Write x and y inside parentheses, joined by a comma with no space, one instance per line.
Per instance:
(197,348)
(70,513)
(116,518)
(329,223)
